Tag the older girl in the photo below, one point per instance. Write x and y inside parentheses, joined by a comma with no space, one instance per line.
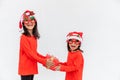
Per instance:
(28,55)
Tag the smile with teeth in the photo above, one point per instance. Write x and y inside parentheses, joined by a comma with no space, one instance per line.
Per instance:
(30,25)
(73,46)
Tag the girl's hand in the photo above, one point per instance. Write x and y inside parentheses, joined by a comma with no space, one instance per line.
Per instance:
(49,63)
(55,68)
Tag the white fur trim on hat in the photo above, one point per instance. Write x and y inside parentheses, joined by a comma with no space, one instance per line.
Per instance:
(74,37)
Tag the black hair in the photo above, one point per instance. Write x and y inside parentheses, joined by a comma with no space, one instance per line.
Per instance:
(35,31)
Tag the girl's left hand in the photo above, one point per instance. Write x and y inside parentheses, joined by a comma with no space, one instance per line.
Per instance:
(55,68)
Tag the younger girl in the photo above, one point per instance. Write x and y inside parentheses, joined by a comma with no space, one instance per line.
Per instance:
(29,56)
(74,65)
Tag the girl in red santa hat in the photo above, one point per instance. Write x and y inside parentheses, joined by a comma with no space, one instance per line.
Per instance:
(75,61)
(28,55)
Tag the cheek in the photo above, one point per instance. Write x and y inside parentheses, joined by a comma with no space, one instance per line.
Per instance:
(77,46)
(25,24)
(69,45)
(33,23)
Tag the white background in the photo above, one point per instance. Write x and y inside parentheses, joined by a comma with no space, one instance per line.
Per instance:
(99,20)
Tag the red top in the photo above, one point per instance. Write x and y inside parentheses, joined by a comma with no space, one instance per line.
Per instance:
(74,66)
(29,56)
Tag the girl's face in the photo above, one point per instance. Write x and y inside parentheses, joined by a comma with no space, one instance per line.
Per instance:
(29,24)
(73,44)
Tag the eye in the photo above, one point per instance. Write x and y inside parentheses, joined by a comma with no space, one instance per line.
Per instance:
(70,39)
(32,20)
(77,40)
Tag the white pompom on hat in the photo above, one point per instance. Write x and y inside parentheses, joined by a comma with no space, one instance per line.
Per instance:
(75,35)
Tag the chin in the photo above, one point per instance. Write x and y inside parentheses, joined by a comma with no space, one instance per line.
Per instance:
(73,49)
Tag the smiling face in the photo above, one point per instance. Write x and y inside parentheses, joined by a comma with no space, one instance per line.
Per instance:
(29,20)
(29,24)
(73,44)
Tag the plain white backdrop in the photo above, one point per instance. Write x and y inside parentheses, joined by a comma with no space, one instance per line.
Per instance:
(99,20)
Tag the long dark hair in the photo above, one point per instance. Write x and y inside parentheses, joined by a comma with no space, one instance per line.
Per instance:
(68,47)
(35,31)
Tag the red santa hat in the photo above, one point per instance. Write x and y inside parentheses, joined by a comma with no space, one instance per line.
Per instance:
(26,15)
(75,35)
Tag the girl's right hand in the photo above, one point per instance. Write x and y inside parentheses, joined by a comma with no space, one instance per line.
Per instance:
(49,63)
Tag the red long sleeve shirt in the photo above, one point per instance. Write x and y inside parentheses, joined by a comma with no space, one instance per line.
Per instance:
(28,56)
(74,66)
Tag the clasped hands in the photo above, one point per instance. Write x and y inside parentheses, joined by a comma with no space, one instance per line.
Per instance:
(52,63)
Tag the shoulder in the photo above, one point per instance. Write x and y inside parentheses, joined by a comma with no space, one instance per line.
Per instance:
(23,37)
(79,53)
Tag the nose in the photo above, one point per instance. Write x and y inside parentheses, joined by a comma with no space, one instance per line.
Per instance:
(29,22)
(73,42)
